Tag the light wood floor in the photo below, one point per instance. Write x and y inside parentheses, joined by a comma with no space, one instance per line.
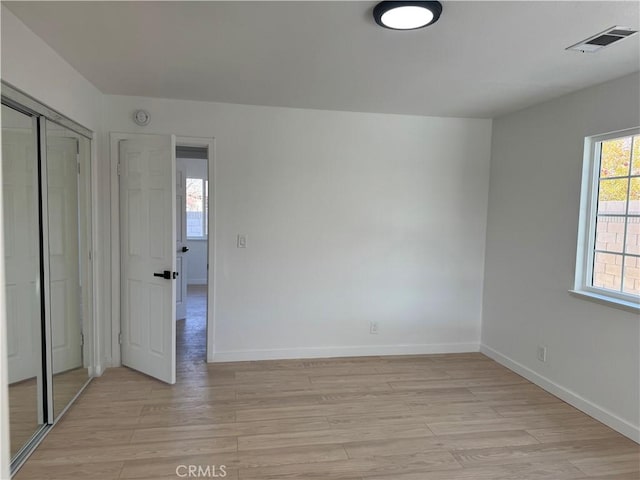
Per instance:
(435,417)
(23,404)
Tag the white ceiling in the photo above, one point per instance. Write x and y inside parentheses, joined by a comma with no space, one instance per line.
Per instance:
(481,59)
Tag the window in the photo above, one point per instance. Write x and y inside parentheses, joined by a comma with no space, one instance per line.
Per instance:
(609,244)
(197,204)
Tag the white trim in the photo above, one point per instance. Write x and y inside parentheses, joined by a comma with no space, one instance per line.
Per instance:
(4,374)
(95,262)
(210,144)
(606,300)
(211,353)
(348,351)
(85,248)
(45,288)
(114,154)
(587,225)
(599,413)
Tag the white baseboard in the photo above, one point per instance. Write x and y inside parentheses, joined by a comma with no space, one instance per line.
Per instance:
(197,281)
(599,413)
(349,351)
(211,352)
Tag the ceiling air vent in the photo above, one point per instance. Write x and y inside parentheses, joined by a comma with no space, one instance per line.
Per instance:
(603,39)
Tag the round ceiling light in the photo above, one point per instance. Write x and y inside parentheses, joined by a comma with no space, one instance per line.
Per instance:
(406,15)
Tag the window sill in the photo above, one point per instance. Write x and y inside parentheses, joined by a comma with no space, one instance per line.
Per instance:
(606,300)
(197,239)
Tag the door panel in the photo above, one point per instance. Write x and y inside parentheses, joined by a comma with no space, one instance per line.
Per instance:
(148,247)
(22,262)
(64,250)
(68,167)
(22,282)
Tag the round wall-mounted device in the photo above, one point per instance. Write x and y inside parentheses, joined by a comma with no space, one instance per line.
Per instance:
(141,117)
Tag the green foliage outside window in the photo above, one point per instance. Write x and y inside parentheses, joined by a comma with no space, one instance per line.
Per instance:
(620,158)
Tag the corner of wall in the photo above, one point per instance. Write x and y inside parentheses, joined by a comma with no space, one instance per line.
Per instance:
(572,398)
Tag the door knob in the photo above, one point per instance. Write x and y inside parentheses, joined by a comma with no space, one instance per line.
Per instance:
(167,275)
(185,249)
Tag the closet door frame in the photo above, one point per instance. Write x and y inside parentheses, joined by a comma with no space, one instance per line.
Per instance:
(23,103)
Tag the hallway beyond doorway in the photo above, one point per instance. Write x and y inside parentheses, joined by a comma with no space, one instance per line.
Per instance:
(191,332)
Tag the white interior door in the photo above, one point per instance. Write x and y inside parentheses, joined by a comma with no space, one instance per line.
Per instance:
(148,249)
(22,255)
(64,274)
(181,240)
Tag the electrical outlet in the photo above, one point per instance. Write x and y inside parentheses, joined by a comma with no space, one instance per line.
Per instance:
(373,328)
(242,241)
(542,353)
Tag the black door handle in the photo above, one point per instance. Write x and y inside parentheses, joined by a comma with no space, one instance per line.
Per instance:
(167,274)
(185,249)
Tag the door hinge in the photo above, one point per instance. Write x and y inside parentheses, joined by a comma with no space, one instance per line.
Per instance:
(81,339)
(90,255)
(120,338)
(118,168)
(78,168)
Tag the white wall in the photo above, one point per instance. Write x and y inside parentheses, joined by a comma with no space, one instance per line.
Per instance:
(196,167)
(350,218)
(197,262)
(32,66)
(593,350)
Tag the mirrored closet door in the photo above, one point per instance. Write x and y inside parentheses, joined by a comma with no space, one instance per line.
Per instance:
(22,275)
(47,236)
(66,214)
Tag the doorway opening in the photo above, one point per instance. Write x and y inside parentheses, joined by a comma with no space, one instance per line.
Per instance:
(192,241)
(150,254)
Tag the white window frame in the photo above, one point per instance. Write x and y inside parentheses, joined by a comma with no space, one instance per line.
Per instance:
(205,203)
(587,227)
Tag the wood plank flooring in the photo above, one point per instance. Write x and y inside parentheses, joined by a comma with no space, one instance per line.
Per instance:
(432,417)
(23,403)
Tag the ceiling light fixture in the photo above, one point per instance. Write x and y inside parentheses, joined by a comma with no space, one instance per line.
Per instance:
(406,15)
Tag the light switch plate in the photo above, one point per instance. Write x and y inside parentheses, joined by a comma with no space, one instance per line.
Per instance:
(242,241)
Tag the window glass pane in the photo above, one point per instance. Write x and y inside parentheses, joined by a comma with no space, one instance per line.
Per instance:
(635,166)
(634,197)
(607,271)
(615,157)
(617,217)
(194,207)
(633,236)
(610,234)
(612,196)
(631,275)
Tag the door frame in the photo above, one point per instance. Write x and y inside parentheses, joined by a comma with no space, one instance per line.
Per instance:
(116,318)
